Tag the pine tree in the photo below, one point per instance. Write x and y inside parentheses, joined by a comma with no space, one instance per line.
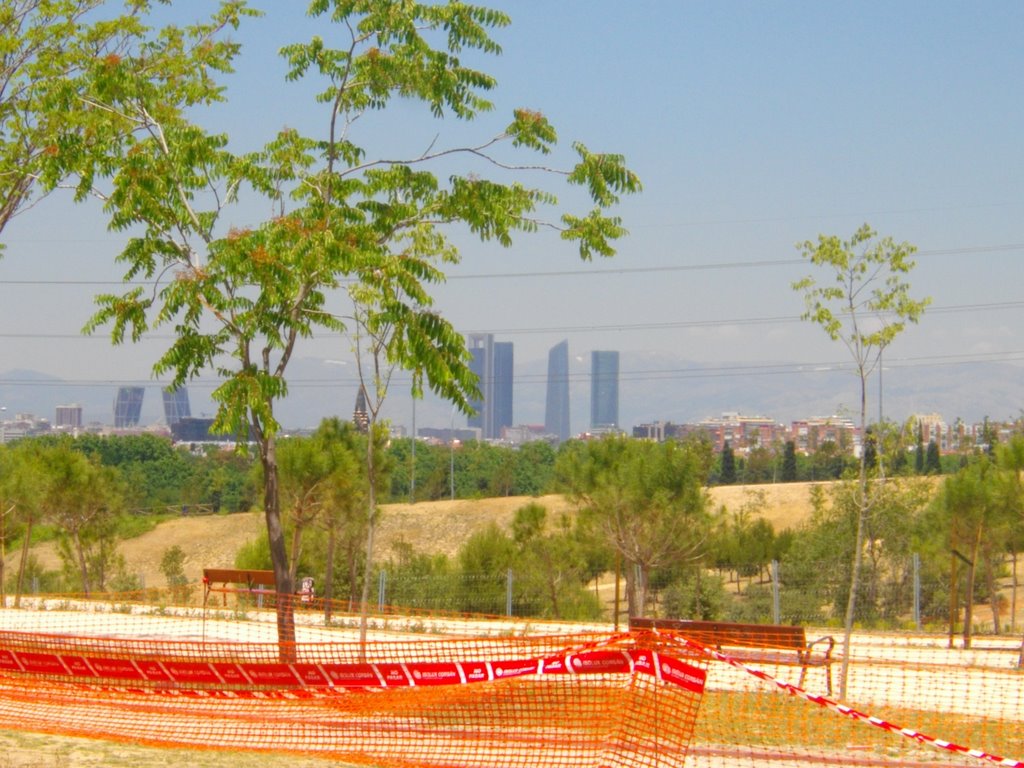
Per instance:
(728,473)
(933,462)
(789,463)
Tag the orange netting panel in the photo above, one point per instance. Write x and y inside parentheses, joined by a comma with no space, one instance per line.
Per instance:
(579,700)
(451,691)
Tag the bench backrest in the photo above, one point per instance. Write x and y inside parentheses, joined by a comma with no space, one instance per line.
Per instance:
(238,576)
(722,633)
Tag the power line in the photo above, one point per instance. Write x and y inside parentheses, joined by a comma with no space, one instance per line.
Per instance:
(645,326)
(582,271)
(640,375)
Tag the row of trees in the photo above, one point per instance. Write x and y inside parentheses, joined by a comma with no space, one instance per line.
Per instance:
(644,512)
(904,455)
(87,492)
(947,544)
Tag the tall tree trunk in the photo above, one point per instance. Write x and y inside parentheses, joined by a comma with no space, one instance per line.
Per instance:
(993,593)
(954,601)
(83,567)
(858,552)
(371,527)
(972,569)
(278,553)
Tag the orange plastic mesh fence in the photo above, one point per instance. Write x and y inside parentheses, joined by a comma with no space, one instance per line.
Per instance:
(448,691)
(548,700)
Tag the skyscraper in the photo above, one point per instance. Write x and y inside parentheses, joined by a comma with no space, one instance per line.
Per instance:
(176,405)
(556,411)
(604,390)
(492,362)
(128,407)
(502,386)
(69,416)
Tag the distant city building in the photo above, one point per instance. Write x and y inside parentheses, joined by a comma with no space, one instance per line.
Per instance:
(808,435)
(556,411)
(526,433)
(22,425)
(360,416)
(128,407)
(193,430)
(447,436)
(604,390)
(68,416)
(503,382)
(176,405)
(492,362)
(742,433)
(933,429)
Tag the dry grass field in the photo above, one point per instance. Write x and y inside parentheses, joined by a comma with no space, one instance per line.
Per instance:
(435,526)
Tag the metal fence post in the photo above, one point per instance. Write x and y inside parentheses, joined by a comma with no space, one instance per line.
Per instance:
(776,610)
(508,594)
(917,591)
(381,590)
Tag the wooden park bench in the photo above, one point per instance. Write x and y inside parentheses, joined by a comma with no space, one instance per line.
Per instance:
(754,643)
(250,582)
(233,579)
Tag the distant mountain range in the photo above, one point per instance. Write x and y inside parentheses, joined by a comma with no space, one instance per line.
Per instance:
(653,387)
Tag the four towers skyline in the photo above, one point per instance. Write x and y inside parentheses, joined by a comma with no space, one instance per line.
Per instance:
(492,362)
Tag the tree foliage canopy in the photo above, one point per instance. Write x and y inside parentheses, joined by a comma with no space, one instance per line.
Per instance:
(347,219)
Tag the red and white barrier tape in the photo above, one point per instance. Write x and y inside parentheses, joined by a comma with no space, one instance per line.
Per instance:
(86,668)
(842,709)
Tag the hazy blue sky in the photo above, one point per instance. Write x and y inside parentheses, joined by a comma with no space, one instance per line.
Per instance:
(753,125)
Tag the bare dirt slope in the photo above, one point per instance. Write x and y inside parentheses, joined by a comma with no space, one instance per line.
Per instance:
(438,526)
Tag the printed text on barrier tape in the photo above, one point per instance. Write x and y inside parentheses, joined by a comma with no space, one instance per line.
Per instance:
(349,675)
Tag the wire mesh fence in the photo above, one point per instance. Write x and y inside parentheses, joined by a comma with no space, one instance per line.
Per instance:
(145,668)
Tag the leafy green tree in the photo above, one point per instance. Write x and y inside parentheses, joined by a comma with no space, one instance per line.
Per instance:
(789,465)
(304,468)
(172,566)
(84,499)
(871,450)
(864,302)
(727,473)
(45,48)
(425,581)
(1010,457)
(970,507)
(933,461)
(484,562)
(242,299)
(223,480)
(347,488)
(552,565)
(25,484)
(534,468)
(647,500)
(759,466)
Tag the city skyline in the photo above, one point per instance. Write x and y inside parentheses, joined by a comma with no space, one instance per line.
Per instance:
(752,128)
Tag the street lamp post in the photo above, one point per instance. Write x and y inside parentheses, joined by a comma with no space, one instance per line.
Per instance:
(451,453)
(412,456)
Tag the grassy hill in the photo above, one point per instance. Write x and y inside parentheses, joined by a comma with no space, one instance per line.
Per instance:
(437,526)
